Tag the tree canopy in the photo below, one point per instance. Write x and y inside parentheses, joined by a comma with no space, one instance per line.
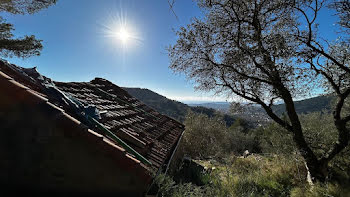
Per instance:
(20,47)
(264,51)
(24,6)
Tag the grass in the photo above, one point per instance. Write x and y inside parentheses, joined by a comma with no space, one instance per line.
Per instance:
(255,175)
(258,176)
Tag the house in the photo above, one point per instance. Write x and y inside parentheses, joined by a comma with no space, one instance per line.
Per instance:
(79,137)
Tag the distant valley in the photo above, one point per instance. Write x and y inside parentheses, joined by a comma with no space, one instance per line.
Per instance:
(253,114)
(315,104)
(221,106)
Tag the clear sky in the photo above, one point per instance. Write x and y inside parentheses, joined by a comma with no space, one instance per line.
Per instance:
(80,43)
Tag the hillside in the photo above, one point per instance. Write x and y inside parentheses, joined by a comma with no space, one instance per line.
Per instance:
(172,108)
(319,103)
(315,104)
(252,114)
(160,103)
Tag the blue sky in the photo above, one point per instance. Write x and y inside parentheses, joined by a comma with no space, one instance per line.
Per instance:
(78,45)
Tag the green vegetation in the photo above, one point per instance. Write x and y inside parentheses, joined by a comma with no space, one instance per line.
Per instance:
(274,167)
(253,176)
(213,139)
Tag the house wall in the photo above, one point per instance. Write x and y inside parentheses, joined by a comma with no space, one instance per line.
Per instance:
(41,150)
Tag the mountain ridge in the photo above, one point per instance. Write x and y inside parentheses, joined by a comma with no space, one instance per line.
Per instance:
(314,104)
(254,114)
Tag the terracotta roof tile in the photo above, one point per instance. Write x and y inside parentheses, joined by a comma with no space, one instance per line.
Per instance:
(128,118)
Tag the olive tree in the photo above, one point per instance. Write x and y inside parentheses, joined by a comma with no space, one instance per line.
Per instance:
(261,51)
(343,11)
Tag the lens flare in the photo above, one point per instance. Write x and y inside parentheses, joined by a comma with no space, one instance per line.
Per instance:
(121,30)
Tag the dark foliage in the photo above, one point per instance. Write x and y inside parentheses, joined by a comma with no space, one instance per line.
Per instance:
(24,6)
(20,47)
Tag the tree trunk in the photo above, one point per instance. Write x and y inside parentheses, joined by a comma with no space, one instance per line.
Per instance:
(317,168)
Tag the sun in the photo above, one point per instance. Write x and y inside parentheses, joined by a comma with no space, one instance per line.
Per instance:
(122,31)
(123,35)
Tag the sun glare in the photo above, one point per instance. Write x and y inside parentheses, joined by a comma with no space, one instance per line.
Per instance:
(121,30)
(123,35)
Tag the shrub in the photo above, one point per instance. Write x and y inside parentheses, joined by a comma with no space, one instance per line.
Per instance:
(319,132)
(239,141)
(274,139)
(168,188)
(204,137)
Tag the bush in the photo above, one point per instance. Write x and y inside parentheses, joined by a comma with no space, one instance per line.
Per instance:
(206,137)
(273,139)
(168,188)
(241,140)
(320,133)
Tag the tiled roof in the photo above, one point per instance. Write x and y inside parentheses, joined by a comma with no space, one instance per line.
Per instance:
(150,133)
(23,95)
